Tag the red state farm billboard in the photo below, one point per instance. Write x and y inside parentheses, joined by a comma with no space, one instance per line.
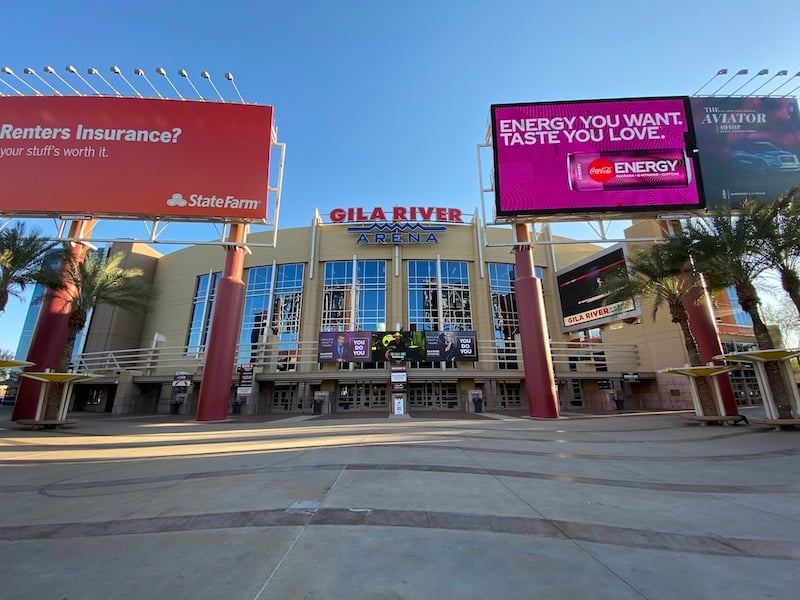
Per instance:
(134,157)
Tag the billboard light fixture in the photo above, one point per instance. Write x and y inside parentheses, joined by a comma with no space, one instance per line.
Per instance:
(739,72)
(205,75)
(30,71)
(93,71)
(717,74)
(790,92)
(141,74)
(761,72)
(16,91)
(163,72)
(780,73)
(52,71)
(116,70)
(785,82)
(185,75)
(8,71)
(74,71)
(229,77)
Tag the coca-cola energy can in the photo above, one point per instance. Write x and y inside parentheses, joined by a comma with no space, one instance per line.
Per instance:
(636,169)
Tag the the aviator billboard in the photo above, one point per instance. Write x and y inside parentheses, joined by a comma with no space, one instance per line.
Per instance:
(594,156)
(134,157)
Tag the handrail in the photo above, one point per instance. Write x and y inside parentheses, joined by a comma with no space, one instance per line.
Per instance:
(301,357)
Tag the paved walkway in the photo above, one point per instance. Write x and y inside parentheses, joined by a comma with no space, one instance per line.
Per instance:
(634,506)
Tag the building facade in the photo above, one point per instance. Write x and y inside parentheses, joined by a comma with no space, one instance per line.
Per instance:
(359,271)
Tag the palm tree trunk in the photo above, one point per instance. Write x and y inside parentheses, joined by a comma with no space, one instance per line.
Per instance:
(76,322)
(749,301)
(791,284)
(704,393)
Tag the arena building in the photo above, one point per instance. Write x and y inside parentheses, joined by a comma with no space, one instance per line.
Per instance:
(406,274)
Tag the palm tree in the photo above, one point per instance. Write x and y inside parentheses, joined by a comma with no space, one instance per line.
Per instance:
(726,245)
(659,272)
(95,282)
(22,255)
(778,228)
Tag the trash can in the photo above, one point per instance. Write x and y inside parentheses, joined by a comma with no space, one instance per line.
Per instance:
(478,404)
(620,402)
(174,408)
(236,408)
(317,406)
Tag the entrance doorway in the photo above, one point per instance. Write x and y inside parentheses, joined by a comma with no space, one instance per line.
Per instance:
(433,396)
(362,397)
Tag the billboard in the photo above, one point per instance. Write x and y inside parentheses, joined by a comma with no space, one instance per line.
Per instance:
(581,294)
(134,157)
(398,345)
(447,346)
(345,346)
(594,156)
(749,147)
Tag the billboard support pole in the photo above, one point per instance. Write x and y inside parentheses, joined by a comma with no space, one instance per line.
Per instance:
(540,385)
(215,388)
(50,335)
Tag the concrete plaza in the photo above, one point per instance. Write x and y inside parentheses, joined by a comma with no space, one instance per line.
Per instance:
(626,506)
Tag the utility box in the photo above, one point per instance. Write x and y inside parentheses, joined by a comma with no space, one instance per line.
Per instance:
(476,400)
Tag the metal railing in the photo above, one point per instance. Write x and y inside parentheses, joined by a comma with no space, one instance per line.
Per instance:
(301,357)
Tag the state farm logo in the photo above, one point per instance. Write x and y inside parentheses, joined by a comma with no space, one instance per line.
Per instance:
(177,200)
(214,201)
(601,170)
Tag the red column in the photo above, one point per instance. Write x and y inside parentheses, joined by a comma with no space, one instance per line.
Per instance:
(215,388)
(50,334)
(540,385)
(704,330)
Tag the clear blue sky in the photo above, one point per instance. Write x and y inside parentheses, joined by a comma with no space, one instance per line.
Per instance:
(384,102)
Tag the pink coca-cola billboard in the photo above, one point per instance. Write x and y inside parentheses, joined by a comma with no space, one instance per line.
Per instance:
(595,156)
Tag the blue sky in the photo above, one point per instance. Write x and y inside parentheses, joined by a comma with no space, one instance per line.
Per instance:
(383,103)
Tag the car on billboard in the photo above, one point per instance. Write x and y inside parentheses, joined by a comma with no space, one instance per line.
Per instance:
(762,157)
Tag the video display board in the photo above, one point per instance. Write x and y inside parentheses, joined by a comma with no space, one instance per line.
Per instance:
(594,156)
(345,346)
(749,147)
(451,346)
(581,293)
(134,157)
(408,346)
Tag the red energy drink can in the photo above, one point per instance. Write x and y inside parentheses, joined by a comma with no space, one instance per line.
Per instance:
(637,169)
